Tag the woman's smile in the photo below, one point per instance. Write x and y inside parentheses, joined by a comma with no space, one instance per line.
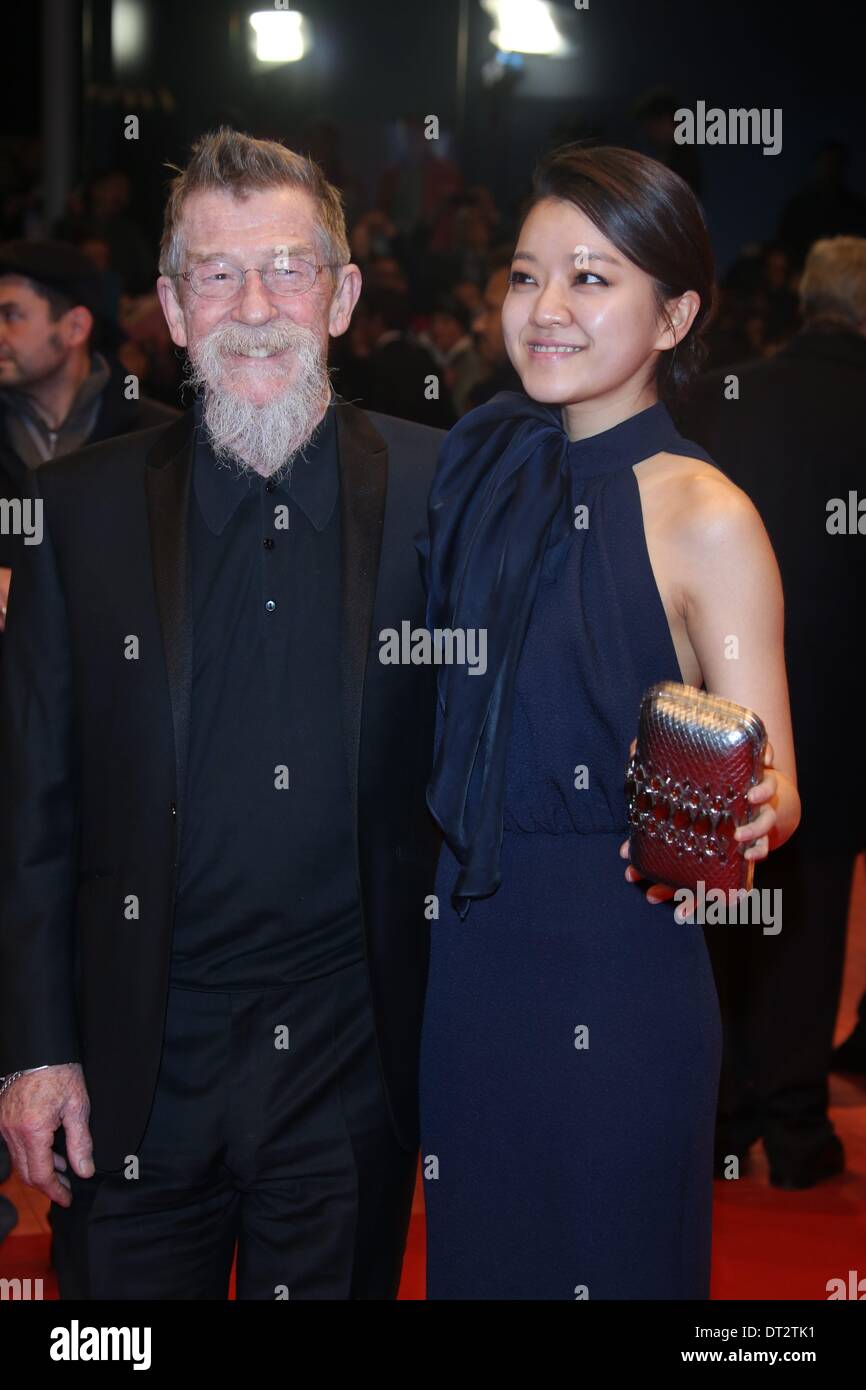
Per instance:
(552,352)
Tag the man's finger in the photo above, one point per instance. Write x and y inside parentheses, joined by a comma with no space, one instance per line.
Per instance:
(42,1175)
(79,1145)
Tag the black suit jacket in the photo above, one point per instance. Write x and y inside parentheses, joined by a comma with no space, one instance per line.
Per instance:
(93,749)
(794,439)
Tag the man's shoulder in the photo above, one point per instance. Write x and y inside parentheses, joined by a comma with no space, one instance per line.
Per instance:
(754,383)
(412,448)
(116,457)
(404,435)
(118,413)
(148,413)
(797,359)
(714,383)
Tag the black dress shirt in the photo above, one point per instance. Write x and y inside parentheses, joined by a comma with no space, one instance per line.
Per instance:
(267,891)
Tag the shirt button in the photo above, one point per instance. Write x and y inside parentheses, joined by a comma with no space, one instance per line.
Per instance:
(270,606)
(269,487)
(268,543)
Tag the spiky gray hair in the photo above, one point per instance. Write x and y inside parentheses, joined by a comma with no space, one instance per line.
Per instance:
(229,161)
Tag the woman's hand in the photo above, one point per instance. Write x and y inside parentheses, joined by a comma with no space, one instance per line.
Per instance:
(755,835)
(765,795)
(657,892)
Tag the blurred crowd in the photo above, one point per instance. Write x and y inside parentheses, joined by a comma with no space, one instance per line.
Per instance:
(435,252)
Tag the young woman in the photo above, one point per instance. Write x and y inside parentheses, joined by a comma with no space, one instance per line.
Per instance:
(571,1044)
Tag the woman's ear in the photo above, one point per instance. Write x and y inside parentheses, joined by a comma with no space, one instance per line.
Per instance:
(678,317)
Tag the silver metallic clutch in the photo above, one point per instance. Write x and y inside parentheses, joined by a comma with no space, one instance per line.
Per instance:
(697,756)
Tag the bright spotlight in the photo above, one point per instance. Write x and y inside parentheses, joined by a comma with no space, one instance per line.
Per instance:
(523,26)
(128,32)
(279,35)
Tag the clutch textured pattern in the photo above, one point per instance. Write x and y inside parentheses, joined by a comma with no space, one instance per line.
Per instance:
(697,756)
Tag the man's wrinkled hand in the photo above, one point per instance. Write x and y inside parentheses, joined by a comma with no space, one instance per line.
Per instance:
(31,1111)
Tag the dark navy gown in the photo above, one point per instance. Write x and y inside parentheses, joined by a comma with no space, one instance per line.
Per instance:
(572,1039)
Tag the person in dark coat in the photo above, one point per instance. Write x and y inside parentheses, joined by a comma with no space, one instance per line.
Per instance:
(791,431)
(58,392)
(397,375)
(216,847)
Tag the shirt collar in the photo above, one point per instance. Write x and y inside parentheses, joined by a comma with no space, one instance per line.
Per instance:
(313,483)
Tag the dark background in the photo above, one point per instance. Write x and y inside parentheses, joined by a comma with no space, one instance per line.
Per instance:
(372,63)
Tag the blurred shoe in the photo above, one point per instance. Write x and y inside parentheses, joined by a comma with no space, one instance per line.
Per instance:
(851,1054)
(8,1218)
(793,1175)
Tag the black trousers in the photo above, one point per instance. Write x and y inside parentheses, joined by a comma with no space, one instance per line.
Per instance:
(779,997)
(268,1131)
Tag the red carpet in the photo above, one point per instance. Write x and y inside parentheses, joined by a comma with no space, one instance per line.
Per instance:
(766,1244)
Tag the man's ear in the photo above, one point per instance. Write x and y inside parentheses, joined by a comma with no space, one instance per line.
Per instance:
(171,308)
(344,300)
(79,326)
(680,317)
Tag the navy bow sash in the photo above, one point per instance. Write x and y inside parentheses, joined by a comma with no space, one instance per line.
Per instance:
(499,508)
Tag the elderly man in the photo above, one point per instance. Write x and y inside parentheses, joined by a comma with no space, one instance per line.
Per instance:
(216,853)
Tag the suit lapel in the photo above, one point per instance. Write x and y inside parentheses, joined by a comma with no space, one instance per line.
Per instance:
(167,484)
(363,485)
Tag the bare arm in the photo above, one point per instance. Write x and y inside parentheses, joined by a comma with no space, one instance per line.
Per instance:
(729,592)
(734,611)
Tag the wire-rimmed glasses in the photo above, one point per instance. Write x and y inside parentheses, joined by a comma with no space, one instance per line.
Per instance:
(286,275)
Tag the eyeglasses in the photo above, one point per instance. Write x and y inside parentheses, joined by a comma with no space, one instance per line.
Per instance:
(286,276)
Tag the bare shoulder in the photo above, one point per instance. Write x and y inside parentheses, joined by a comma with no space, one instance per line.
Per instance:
(693,504)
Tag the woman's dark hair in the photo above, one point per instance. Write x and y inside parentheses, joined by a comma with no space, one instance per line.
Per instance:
(652,216)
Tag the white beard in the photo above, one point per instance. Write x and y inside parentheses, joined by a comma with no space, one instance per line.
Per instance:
(261,439)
